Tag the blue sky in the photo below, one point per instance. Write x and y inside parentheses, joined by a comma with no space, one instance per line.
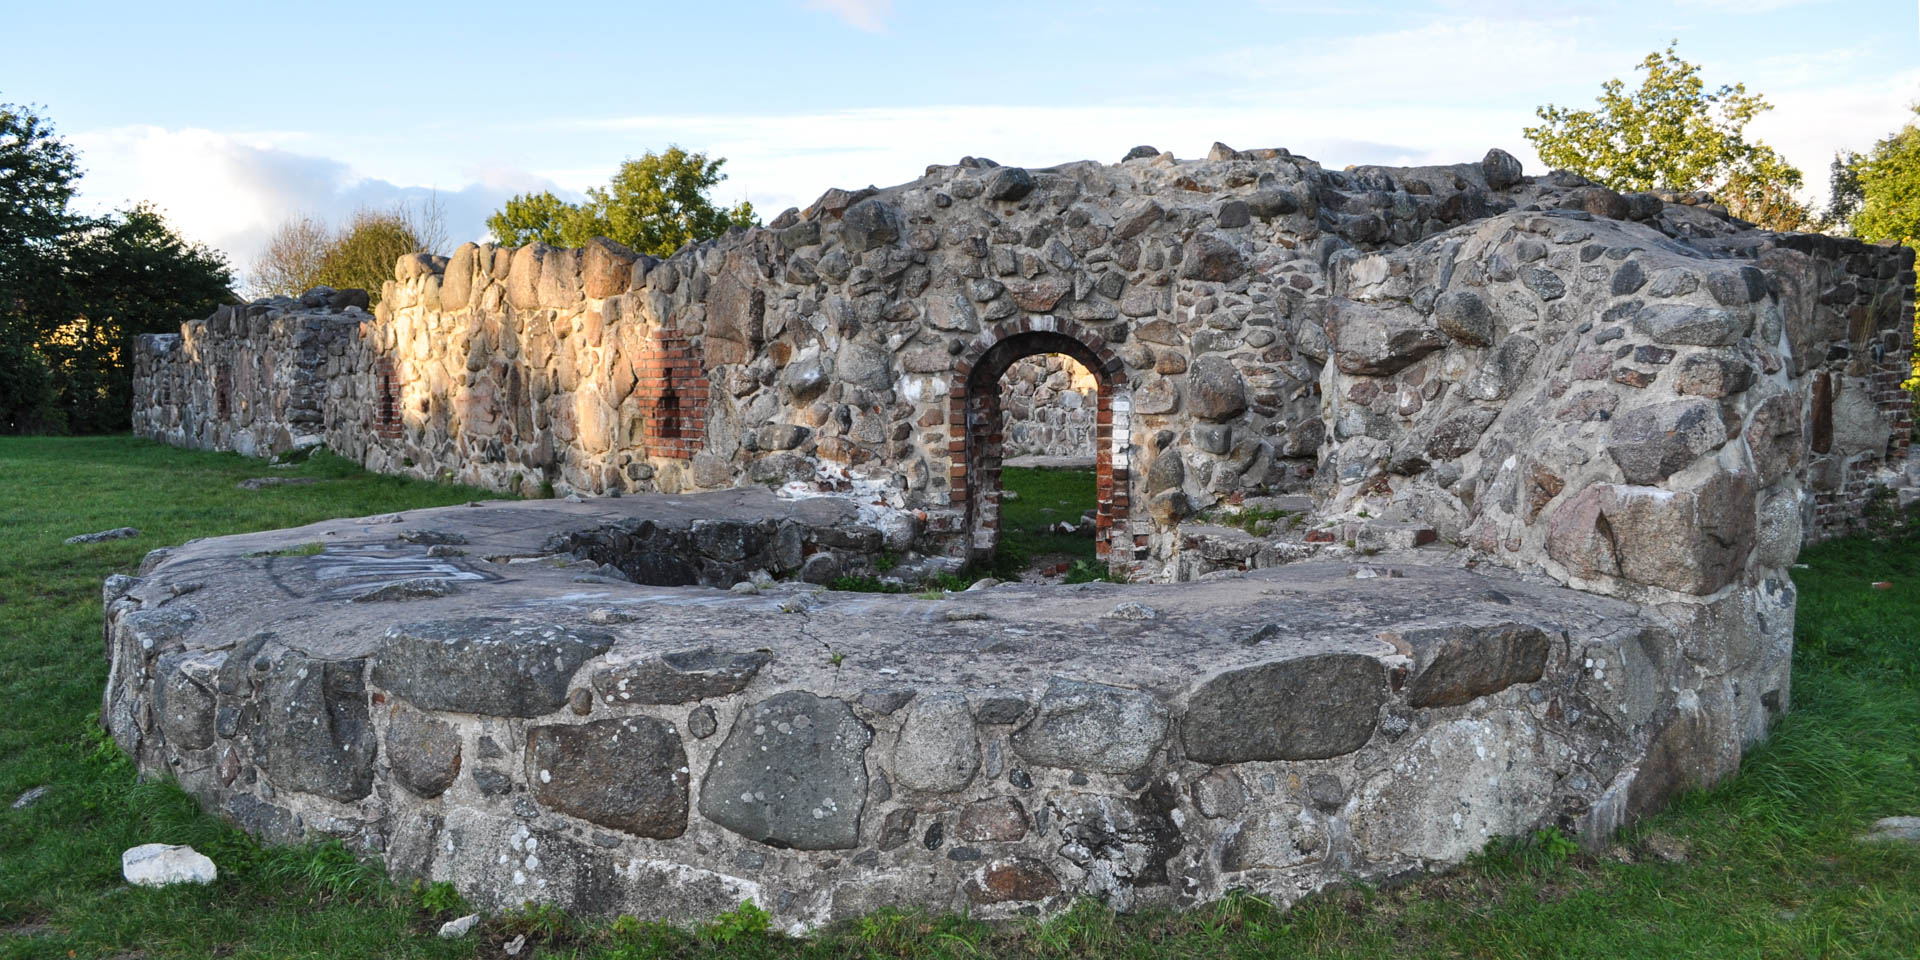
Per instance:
(233,116)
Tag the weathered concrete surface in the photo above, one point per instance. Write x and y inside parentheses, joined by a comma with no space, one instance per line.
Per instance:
(552,733)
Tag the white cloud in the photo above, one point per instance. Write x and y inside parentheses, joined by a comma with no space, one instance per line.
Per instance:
(1809,124)
(1362,99)
(868,15)
(231,190)
(780,161)
(1446,62)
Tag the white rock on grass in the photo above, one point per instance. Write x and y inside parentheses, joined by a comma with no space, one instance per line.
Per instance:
(160,864)
(30,798)
(1894,830)
(455,929)
(117,533)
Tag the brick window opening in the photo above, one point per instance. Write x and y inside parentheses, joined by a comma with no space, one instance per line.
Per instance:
(386,401)
(672,392)
(222,394)
(668,415)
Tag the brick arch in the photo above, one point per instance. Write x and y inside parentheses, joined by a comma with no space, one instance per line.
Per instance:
(975,421)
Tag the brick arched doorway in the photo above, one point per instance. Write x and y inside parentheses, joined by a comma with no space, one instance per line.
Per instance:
(976,418)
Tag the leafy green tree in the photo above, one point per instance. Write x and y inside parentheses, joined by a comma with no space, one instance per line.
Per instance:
(1878,192)
(28,403)
(530,218)
(125,275)
(304,253)
(37,175)
(75,290)
(1844,194)
(1877,196)
(655,205)
(1674,132)
(364,253)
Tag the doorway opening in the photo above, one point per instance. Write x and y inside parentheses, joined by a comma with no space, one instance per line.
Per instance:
(979,415)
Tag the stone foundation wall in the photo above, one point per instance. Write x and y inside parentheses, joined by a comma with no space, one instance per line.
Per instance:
(441,692)
(1051,404)
(1626,414)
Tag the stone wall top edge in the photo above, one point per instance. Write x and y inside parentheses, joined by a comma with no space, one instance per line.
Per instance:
(1155,175)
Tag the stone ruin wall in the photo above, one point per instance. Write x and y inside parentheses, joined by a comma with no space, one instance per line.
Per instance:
(858,345)
(253,378)
(1633,396)
(1050,403)
(1661,412)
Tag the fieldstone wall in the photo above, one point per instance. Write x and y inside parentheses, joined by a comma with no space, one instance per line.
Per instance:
(1050,403)
(439,689)
(1602,404)
(858,344)
(1624,413)
(255,378)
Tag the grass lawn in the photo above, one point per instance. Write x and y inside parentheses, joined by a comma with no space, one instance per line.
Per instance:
(1044,497)
(1767,865)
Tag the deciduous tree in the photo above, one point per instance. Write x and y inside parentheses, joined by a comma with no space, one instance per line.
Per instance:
(37,175)
(363,254)
(75,290)
(655,205)
(303,253)
(530,218)
(290,265)
(126,274)
(1674,132)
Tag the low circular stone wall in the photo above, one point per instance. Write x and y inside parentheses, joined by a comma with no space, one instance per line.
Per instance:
(438,689)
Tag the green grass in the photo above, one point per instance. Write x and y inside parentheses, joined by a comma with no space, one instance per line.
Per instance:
(60,859)
(1773,870)
(1042,497)
(1045,497)
(1258,521)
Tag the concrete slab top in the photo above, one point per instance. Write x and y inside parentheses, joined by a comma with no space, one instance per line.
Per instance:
(336,590)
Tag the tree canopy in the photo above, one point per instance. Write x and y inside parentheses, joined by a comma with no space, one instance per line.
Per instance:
(655,205)
(127,274)
(37,174)
(1674,132)
(1877,193)
(363,254)
(304,253)
(531,218)
(75,290)
(290,264)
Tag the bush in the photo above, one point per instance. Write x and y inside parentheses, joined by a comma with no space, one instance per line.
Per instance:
(27,402)
(75,290)
(363,255)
